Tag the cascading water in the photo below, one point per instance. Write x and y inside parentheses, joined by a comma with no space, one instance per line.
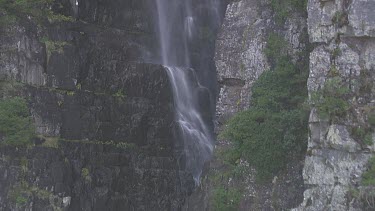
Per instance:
(197,139)
(176,27)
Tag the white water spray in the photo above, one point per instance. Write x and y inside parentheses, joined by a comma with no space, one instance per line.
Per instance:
(197,137)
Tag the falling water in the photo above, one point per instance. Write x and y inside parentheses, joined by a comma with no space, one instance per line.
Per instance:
(176,24)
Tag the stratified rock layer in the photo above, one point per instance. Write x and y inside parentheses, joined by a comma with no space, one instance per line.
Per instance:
(87,83)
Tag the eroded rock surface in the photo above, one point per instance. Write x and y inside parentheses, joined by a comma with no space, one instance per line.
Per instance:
(343,33)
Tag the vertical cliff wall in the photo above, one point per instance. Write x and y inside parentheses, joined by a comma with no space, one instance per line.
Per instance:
(240,59)
(102,107)
(343,34)
(341,136)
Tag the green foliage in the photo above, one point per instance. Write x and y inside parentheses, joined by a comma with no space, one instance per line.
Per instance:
(124,145)
(50,142)
(53,46)
(366,82)
(368,139)
(368,178)
(119,94)
(226,199)
(20,193)
(39,10)
(9,88)
(331,101)
(227,183)
(362,134)
(336,52)
(21,201)
(371,119)
(275,128)
(85,173)
(333,71)
(16,127)
(358,132)
(276,46)
(283,8)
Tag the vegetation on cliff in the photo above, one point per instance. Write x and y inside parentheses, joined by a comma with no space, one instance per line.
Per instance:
(16,127)
(274,129)
(331,101)
(283,8)
(39,10)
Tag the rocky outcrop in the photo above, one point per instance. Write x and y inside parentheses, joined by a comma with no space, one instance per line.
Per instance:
(343,32)
(239,54)
(240,60)
(240,57)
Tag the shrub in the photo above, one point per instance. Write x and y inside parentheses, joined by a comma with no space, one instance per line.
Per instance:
(283,8)
(368,178)
(331,101)
(274,129)
(226,199)
(16,127)
(276,46)
(53,46)
(368,139)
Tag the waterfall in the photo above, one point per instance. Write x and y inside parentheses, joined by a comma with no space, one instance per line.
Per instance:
(176,27)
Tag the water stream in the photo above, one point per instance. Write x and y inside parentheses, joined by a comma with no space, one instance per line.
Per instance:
(176,27)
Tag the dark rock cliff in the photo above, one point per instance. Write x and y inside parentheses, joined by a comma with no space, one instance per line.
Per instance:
(103,112)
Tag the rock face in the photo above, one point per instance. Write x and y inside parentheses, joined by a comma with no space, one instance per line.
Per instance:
(90,83)
(239,57)
(343,33)
(240,60)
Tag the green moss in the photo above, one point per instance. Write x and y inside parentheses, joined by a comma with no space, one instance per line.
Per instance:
(16,126)
(53,46)
(19,194)
(50,142)
(21,201)
(119,94)
(22,192)
(124,145)
(40,193)
(85,173)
